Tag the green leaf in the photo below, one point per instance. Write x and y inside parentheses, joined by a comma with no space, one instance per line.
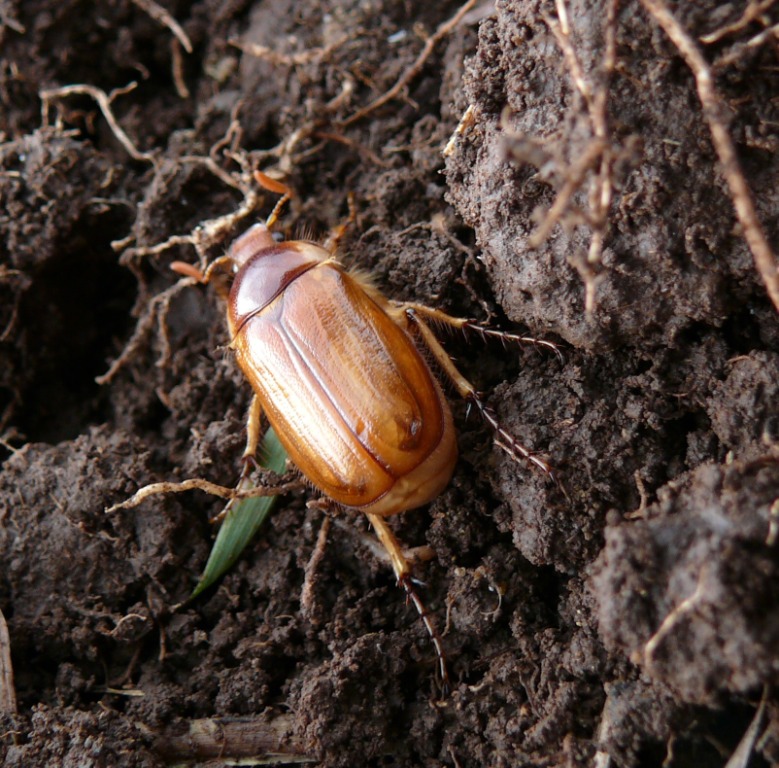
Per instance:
(244,518)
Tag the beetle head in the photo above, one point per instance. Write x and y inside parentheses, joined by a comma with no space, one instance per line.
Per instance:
(254,240)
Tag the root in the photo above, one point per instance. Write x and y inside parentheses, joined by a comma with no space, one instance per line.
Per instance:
(104,101)
(714,115)
(443,30)
(155,489)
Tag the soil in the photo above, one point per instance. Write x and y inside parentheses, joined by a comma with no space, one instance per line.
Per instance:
(627,615)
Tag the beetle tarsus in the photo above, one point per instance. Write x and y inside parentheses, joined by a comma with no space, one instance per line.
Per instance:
(515,338)
(507,441)
(406,582)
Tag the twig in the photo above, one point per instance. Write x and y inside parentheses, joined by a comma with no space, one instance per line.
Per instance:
(713,111)
(7,20)
(773,525)
(599,152)
(561,30)
(276,58)
(232,738)
(443,29)
(574,179)
(739,49)
(309,579)
(156,309)
(742,755)
(178,69)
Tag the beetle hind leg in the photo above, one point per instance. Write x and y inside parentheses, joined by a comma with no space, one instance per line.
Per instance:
(405,580)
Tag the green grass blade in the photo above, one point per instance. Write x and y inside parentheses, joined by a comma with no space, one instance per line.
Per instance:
(243,519)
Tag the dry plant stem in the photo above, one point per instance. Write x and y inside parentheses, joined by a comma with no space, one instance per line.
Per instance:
(773,525)
(104,102)
(746,747)
(7,689)
(231,738)
(202,238)
(289,60)
(575,178)
(7,20)
(443,30)
(159,14)
(713,112)
(178,69)
(204,235)
(363,151)
(197,484)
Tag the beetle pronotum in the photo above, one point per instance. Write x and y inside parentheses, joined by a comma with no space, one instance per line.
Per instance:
(338,372)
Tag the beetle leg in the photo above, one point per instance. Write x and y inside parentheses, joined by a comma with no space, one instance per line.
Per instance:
(279,188)
(460,323)
(190,270)
(253,430)
(337,233)
(405,580)
(467,391)
(249,458)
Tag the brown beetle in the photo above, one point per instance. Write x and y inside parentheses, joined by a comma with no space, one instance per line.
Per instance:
(336,368)
(350,397)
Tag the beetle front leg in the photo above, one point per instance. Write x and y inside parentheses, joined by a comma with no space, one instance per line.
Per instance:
(467,391)
(253,431)
(403,574)
(249,458)
(337,233)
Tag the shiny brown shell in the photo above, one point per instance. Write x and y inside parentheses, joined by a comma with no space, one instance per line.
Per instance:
(348,393)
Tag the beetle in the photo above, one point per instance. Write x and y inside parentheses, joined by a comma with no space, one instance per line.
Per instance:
(340,372)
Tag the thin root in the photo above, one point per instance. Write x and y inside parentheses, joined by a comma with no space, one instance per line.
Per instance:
(159,14)
(104,101)
(443,30)
(155,489)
